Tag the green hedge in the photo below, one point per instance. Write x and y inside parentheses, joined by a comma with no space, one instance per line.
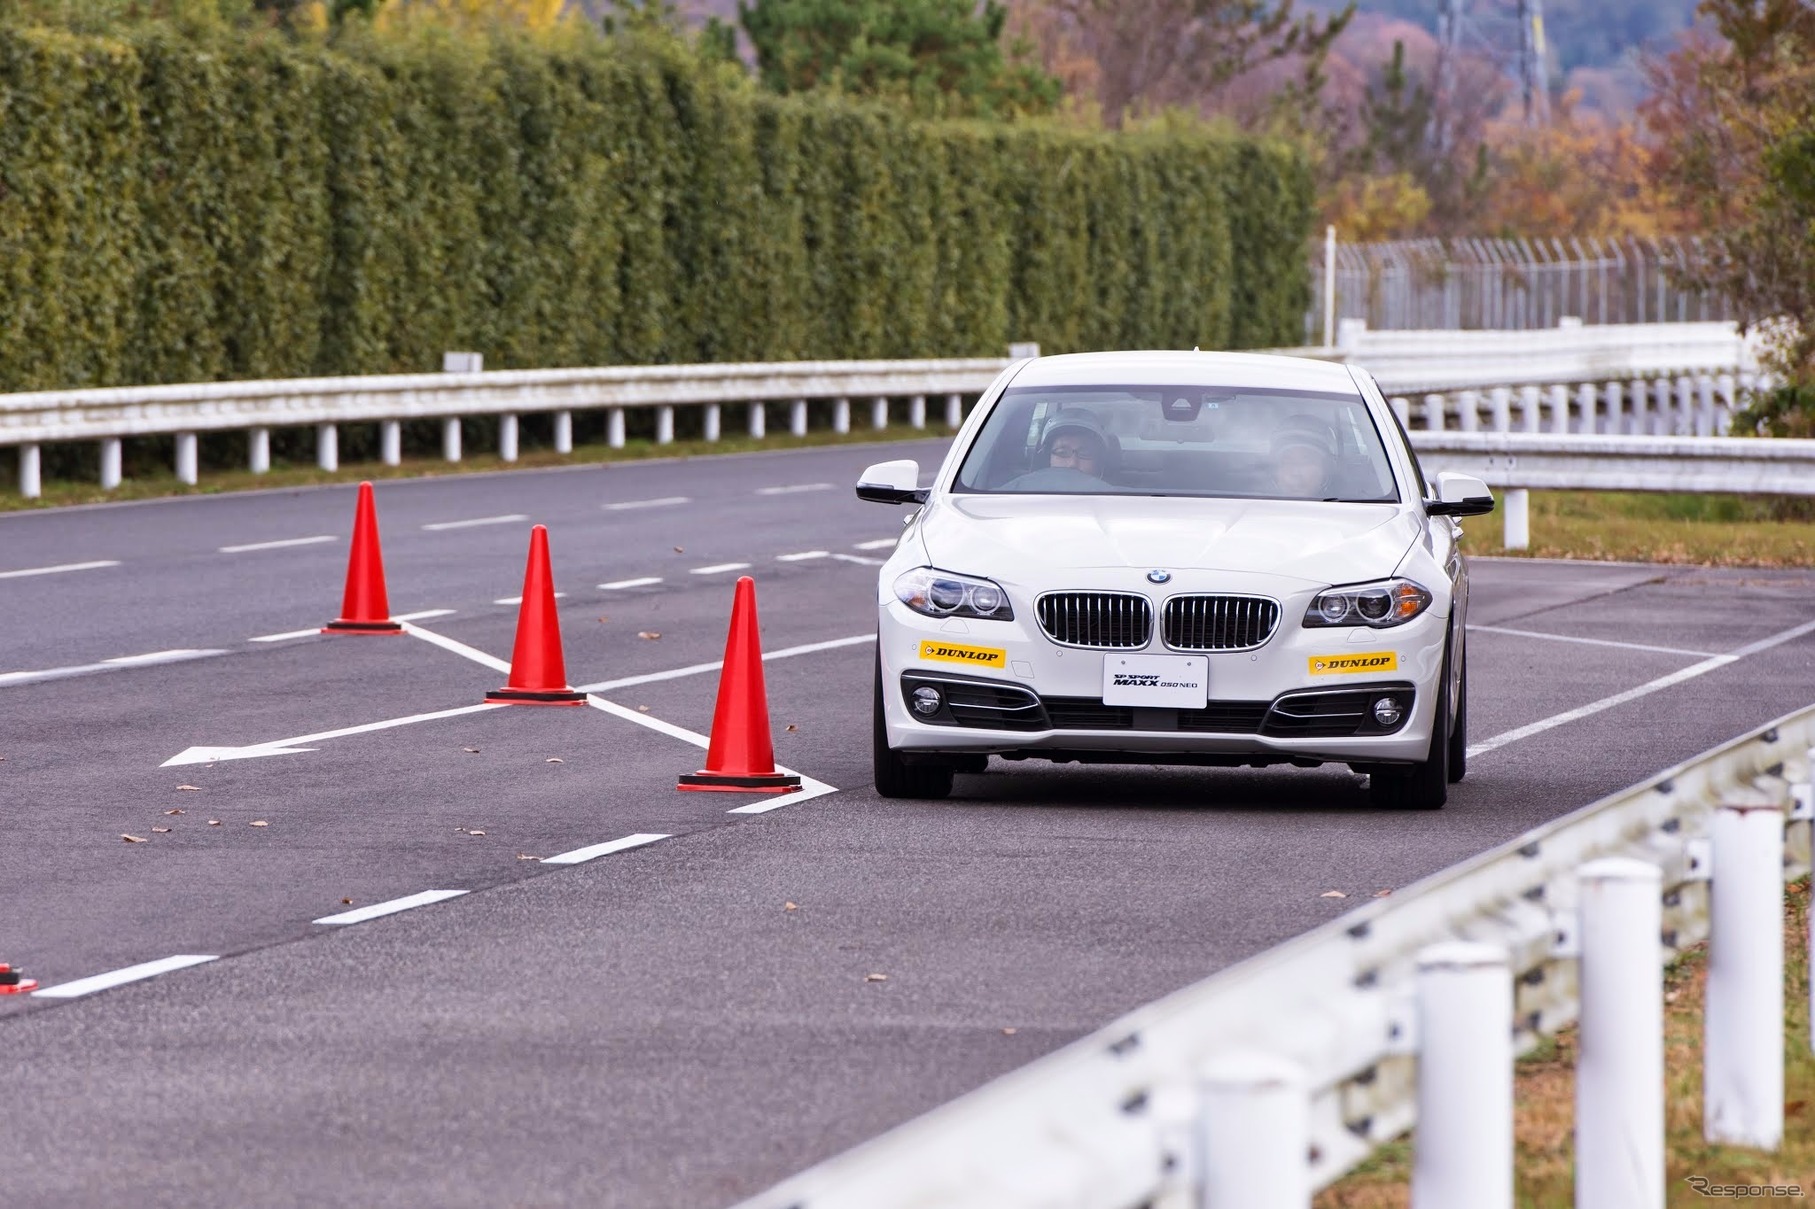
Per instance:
(184,207)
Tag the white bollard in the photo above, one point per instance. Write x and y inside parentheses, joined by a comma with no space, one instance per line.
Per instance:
(711,421)
(1468,411)
(917,412)
(1462,1152)
(507,438)
(954,412)
(1729,403)
(1500,400)
(797,418)
(462,363)
(1742,1045)
(1664,421)
(564,432)
(1433,413)
(664,426)
(186,459)
(390,442)
(31,475)
(841,416)
(258,453)
(450,439)
(1587,402)
(1641,408)
(1254,1133)
(327,447)
(1558,406)
(1685,408)
(1616,409)
(759,421)
(1620,1070)
(1705,422)
(879,413)
(1515,509)
(614,427)
(110,462)
(1531,408)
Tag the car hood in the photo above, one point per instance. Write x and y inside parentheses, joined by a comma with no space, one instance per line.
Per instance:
(1017,536)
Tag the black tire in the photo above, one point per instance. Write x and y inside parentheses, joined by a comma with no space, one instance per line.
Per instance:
(1458,735)
(895,777)
(1422,786)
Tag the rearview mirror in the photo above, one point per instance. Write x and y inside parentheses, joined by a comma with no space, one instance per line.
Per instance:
(1460,495)
(892,483)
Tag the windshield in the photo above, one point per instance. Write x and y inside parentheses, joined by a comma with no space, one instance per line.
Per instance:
(1180,440)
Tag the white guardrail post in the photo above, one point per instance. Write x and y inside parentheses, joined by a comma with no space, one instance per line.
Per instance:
(1620,1067)
(31,483)
(1254,1132)
(1742,1062)
(186,458)
(111,458)
(1462,1152)
(327,447)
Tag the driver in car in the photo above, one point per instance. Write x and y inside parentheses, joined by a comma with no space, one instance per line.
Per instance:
(1304,458)
(1074,455)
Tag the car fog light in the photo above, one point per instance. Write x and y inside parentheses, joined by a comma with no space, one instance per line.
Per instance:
(926,700)
(1387,711)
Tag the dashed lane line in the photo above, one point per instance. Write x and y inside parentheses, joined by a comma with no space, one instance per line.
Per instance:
(803,556)
(60,568)
(517,600)
(859,560)
(114,978)
(120,664)
(594,851)
(881,543)
(620,584)
(721,568)
(794,489)
(667,501)
(1629,646)
(287,635)
(475,523)
(283,544)
(359,915)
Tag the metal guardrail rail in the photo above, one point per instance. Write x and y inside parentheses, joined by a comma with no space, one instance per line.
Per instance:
(1132,1115)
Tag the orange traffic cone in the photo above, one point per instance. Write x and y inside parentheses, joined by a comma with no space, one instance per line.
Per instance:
(741,757)
(538,674)
(364,609)
(14,982)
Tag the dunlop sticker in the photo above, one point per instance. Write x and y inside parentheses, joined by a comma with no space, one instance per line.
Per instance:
(1366,661)
(951,652)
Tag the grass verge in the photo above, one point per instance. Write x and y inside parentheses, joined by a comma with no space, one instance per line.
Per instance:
(1544,1102)
(1704,530)
(62,492)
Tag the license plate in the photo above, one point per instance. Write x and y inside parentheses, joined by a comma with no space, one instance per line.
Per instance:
(1161,681)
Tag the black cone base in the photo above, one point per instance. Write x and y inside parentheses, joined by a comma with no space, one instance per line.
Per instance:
(767,782)
(362,627)
(525,696)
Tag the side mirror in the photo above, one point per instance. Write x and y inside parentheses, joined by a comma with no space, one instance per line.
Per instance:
(892,483)
(1460,495)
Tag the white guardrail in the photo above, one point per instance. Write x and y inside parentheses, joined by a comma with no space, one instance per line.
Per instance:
(1271,1079)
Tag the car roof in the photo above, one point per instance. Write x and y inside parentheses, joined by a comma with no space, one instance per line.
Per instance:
(1234,370)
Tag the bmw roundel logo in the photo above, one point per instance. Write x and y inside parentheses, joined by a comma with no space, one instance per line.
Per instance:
(1158,577)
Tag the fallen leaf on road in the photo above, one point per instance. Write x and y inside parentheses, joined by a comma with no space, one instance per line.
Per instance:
(1008,1032)
(346,902)
(470,750)
(135,839)
(260,823)
(875,977)
(1332,894)
(604,619)
(790,726)
(642,709)
(1382,893)
(524,856)
(160,831)
(651,635)
(459,829)
(195,788)
(554,760)
(790,906)
(475,833)
(680,550)
(214,822)
(174,810)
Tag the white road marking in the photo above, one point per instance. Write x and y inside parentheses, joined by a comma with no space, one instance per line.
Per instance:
(794,489)
(862,562)
(655,724)
(59,569)
(581,855)
(717,568)
(359,915)
(476,522)
(291,747)
(123,662)
(802,557)
(809,788)
(700,669)
(114,978)
(517,600)
(632,583)
(1630,646)
(667,501)
(881,543)
(1643,690)
(280,545)
(458,648)
(309,633)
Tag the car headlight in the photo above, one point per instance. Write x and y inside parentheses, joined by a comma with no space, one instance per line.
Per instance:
(943,594)
(1381,605)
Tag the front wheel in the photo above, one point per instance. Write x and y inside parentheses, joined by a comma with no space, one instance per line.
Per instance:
(1458,735)
(895,777)
(1425,785)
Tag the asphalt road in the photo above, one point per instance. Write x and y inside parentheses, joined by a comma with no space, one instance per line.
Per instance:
(653,1027)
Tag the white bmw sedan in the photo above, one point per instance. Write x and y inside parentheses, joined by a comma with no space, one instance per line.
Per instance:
(1176,558)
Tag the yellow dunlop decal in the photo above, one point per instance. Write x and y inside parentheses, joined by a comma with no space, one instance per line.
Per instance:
(1366,661)
(976,656)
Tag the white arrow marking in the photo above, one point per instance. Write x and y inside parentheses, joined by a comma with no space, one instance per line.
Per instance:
(291,747)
